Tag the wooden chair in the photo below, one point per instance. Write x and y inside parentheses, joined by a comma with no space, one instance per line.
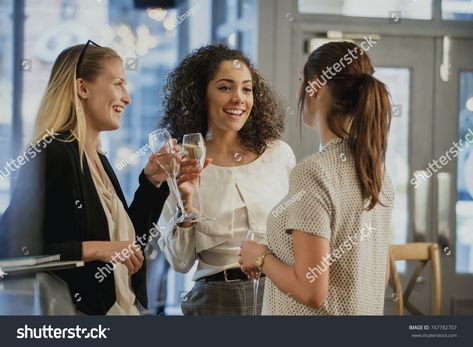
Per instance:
(423,252)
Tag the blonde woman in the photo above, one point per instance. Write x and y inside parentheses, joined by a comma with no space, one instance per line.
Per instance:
(68,200)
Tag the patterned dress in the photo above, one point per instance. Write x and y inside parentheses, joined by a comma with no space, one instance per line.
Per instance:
(325,200)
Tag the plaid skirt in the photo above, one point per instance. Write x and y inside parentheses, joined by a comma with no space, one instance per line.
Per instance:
(221,298)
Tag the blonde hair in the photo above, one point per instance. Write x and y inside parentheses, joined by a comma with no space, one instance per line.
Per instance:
(60,108)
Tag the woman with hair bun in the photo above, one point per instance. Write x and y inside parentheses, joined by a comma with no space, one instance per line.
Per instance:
(327,252)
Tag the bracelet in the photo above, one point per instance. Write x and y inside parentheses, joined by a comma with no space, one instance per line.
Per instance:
(260,260)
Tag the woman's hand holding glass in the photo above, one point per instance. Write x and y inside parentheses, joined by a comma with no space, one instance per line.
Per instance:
(169,161)
(187,180)
(195,147)
(158,171)
(249,252)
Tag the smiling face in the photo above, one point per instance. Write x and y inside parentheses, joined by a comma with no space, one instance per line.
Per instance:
(229,97)
(105,99)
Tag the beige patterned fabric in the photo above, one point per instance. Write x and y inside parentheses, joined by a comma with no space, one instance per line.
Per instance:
(325,200)
(121,229)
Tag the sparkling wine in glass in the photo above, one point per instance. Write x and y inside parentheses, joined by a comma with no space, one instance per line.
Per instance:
(161,144)
(194,145)
(256,237)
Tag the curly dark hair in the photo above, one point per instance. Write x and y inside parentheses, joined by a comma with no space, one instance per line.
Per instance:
(185,99)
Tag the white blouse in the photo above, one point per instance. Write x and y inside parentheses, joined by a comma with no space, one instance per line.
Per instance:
(240,198)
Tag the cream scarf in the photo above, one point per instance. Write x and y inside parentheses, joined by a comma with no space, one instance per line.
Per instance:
(121,229)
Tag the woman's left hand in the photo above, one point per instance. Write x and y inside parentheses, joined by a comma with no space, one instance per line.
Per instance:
(249,251)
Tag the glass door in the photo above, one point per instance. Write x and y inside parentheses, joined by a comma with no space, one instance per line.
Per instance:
(431,82)
(454,183)
(406,66)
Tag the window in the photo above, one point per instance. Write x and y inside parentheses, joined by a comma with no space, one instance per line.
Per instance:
(397,157)
(140,36)
(6,98)
(237,25)
(464,208)
(457,9)
(419,9)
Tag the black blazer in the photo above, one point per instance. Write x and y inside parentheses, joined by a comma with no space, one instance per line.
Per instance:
(55,207)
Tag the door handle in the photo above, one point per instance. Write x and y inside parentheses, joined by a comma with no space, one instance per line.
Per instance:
(421,201)
(443,210)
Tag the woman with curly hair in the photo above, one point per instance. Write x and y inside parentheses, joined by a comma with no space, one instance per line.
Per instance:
(217,92)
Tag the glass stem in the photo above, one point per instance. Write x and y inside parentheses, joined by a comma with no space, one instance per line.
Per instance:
(255,296)
(199,194)
(178,196)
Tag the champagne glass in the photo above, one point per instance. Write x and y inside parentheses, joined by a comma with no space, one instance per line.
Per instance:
(194,145)
(162,146)
(253,236)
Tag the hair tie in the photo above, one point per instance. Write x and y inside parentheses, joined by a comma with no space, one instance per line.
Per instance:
(364,75)
(351,76)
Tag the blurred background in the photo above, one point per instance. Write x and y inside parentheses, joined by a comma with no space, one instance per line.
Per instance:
(422,49)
